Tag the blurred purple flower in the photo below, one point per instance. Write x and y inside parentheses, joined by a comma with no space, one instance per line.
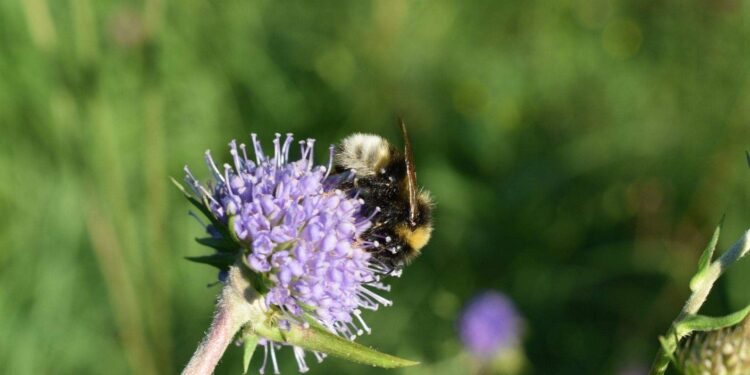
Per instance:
(299,233)
(488,324)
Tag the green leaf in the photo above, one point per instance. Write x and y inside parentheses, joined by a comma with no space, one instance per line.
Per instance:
(668,346)
(705,259)
(203,208)
(192,199)
(219,260)
(747,155)
(318,339)
(220,244)
(250,342)
(179,186)
(708,323)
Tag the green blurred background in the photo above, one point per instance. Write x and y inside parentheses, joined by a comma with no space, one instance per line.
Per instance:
(580,153)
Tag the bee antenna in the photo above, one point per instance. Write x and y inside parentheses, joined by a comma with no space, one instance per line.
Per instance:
(411,175)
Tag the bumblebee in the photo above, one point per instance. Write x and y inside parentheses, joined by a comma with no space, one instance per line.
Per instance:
(386,181)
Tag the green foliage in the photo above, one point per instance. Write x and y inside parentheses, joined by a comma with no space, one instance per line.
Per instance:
(688,321)
(317,338)
(249,344)
(710,323)
(218,260)
(705,259)
(575,149)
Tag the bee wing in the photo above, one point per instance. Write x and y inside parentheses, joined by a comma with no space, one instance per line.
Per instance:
(411,175)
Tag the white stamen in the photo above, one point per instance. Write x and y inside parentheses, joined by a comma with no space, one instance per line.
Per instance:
(319,356)
(277,150)
(374,212)
(194,186)
(258,150)
(191,181)
(380,286)
(375,270)
(285,149)
(212,167)
(331,150)
(377,266)
(366,302)
(343,330)
(358,315)
(380,299)
(244,152)
(273,359)
(299,355)
(265,358)
(208,195)
(235,156)
(311,143)
(302,148)
(358,331)
(228,168)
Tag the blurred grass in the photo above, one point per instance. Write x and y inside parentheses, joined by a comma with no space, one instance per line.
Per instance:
(580,153)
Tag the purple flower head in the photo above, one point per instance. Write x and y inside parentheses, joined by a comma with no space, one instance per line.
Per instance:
(299,233)
(488,324)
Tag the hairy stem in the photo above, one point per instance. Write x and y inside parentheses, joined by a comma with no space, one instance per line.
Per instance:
(233,310)
(698,297)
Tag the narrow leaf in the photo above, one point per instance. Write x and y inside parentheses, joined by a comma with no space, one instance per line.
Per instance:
(202,206)
(706,257)
(198,204)
(250,342)
(179,186)
(318,339)
(220,260)
(747,155)
(708,323)
(220,244)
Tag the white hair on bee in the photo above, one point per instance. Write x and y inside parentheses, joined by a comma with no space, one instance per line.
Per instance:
(366,154)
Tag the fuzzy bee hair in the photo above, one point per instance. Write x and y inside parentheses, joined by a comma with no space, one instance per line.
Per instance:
(385,179)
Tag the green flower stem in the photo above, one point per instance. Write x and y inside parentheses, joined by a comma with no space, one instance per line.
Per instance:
(237,304)
(696,300)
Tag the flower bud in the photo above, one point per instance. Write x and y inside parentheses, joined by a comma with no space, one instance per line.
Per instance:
(724,351)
